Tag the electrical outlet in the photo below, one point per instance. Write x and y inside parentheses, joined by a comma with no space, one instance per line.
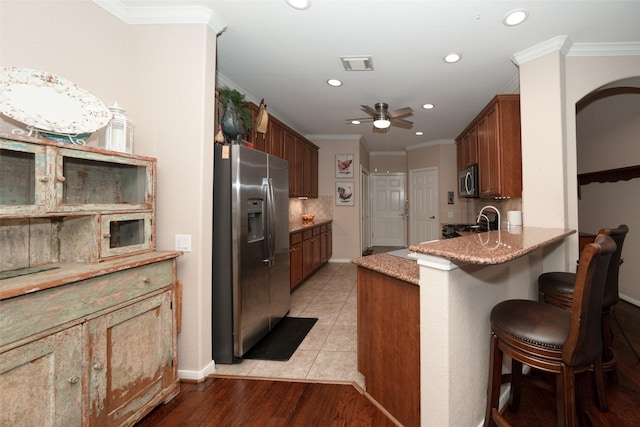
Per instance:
(449,214)
(183,242)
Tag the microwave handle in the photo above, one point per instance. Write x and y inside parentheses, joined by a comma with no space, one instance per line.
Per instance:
(467,177)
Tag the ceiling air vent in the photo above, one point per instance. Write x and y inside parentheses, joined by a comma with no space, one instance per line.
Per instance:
(357,63)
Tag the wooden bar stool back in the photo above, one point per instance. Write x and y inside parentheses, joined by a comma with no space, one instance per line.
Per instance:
(550,339)
(557,288)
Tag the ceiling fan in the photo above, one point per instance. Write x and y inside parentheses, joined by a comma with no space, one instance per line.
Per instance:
(382,118)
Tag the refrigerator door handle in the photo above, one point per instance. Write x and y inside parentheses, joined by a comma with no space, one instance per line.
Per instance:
(266,225)
(271,207)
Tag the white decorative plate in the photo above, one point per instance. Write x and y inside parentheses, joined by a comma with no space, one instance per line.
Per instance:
(50,103)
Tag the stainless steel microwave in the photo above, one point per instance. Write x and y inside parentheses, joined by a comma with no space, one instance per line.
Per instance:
(469,182)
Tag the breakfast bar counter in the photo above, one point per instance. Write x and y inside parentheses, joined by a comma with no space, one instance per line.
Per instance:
(460,280)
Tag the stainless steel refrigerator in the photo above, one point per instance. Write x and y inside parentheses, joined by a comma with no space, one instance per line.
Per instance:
(250,287)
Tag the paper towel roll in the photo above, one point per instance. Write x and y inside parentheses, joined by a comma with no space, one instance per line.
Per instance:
(514,217)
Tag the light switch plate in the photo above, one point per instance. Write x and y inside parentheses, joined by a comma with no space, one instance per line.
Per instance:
(183,242)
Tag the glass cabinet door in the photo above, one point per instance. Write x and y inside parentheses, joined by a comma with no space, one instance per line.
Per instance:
(89,181)
(125,233)
(23,178)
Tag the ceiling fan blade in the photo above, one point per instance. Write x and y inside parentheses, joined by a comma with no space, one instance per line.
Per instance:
(402,112)
(368,110)
(401,123)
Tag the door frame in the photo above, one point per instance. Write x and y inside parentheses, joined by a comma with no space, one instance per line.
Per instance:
(365,210)
(373,203)
(412,225)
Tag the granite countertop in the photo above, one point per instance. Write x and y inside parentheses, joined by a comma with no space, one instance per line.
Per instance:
(392,266)
(493,247)
(301,225)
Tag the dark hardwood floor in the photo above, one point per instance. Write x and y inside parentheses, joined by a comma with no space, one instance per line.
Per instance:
(250,402)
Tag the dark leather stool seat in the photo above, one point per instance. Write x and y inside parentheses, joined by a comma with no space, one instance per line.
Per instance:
(557,288)
(550,339)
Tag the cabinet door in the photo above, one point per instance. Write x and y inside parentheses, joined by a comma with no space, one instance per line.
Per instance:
(310,167)
(289,151)
(274,139)
(307,257)
(125,233)
(491,184)
(41,382)
(24,181)
(131,357)
(472,147)
(89,181)
(295,265)
(329,240)
(317,256)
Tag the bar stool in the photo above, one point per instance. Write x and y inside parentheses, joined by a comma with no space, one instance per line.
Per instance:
(545,337)
(557,288)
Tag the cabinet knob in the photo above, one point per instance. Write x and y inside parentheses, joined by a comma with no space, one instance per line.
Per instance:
(43,179)
(61,178)
(146,280)
(74,380)
(106,236)
(98,366)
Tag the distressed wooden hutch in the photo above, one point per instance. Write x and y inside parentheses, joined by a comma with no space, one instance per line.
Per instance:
(88,319)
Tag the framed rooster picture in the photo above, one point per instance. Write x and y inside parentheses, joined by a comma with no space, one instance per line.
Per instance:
(344,165)
(344,193)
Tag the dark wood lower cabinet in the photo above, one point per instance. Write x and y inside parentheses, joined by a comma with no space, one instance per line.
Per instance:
(389,343)
(309,249)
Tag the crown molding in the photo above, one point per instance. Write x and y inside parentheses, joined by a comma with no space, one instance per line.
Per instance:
(388,153)
(192,14)
(567,47)
(559,43)
(431,144)
(334,137)
(605,49)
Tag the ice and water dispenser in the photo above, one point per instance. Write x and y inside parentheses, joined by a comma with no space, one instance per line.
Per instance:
(255,220)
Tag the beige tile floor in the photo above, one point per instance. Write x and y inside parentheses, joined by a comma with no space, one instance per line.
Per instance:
(328,353)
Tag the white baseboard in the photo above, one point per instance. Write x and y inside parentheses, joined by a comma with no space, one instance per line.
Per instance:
(197,375)
(630,300)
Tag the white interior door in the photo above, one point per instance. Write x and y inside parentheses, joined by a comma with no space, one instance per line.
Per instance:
(389,210)
(365,212)
(423,205)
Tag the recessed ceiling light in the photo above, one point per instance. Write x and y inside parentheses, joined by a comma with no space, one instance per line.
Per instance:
(428,106)
(419,133)
(452,57)
(355,122)
(515,17)
(299,4)
(334,82)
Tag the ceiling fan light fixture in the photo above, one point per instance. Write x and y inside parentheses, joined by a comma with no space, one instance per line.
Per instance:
(299,4)
(381,121)
(515,17)
(452,58)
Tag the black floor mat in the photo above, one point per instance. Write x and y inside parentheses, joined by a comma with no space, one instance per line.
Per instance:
(283,340)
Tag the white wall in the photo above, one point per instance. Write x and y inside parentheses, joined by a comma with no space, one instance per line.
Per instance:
(164,76)
(608,137)
(550,87)
(346,219)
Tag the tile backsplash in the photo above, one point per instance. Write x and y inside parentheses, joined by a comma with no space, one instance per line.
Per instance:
(322,208)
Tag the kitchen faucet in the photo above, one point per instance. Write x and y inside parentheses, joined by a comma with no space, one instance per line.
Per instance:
(481,214)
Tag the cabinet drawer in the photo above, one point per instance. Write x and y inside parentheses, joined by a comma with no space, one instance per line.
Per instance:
(307,234)
(30,314)
(295,238)
(316,231)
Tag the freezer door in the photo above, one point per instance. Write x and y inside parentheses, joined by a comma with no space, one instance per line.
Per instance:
(250,279)
(280,291)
